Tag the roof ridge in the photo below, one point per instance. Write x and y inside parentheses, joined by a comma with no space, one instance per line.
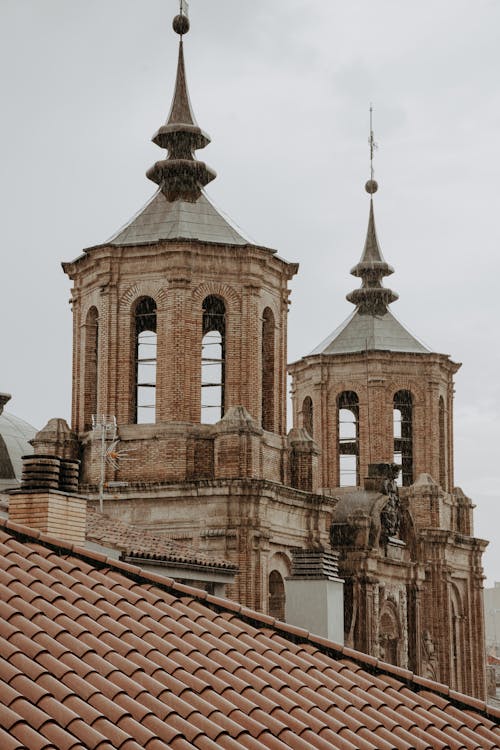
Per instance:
(252,617)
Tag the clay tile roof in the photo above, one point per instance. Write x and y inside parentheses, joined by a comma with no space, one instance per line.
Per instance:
(134,542)
(99,654)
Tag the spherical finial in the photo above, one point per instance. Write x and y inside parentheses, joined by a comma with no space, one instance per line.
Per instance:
(180,24)
(371,186)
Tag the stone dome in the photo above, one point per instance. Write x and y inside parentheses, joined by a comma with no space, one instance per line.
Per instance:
(15,435)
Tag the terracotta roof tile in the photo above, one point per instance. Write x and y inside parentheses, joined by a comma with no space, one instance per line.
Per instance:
(292,740)
(487,734)
(109,657)
(30,737)
(60,739)
(145,545)
(8,742)
(248,742)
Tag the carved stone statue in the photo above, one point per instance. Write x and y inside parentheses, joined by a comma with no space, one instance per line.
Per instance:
(429,657)
(390,515)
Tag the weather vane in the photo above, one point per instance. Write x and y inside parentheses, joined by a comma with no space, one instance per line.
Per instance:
(371,186)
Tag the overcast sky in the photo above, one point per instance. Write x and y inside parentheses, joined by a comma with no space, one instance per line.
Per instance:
(283,87)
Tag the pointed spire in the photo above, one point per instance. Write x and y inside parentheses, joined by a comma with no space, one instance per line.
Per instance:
(181,110)
(180,175)
(372,298)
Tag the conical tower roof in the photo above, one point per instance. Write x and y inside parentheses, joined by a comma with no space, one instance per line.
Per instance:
(371,326)
(180,209)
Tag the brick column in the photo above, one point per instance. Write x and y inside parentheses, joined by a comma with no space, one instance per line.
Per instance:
(183,368)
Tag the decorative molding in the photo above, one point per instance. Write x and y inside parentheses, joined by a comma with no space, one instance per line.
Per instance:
(143,289)
(222,290)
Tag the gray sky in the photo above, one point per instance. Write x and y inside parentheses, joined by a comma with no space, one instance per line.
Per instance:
(283,88)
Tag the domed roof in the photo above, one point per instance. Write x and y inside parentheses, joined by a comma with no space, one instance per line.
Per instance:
(15,435)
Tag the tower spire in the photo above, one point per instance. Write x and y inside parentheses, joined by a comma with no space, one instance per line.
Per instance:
(181,175)
(372,297)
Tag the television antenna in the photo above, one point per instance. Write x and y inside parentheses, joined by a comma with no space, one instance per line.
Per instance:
(104,429)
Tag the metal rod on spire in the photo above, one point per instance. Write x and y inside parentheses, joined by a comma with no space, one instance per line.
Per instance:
(371,186)
(373,144)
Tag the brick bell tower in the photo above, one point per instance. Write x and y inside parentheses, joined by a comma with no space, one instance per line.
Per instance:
(373,393)
(180,337)
(374,398)
(180,329)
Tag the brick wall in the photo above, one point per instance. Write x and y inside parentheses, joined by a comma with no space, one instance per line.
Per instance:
(55,513)
(178,276)
(375,377)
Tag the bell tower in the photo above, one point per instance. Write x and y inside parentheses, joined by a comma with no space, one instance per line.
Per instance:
(179,347)
(178,320)
(371,392)
(372,396)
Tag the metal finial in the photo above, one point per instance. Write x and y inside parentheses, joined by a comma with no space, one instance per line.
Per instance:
(181,21)
(371,186)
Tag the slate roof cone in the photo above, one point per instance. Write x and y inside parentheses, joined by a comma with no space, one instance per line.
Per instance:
(372,298)
(181,175)
(371,326)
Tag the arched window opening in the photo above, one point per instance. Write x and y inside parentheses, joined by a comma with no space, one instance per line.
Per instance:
(442,445)
(90,365)
(348,439)
(403,436)
(268,369)
(145,361)
(213,349)
(307,415)
(276,595)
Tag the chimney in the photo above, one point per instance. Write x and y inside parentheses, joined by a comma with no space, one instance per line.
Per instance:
(56,513)
(46,500)
(315,594)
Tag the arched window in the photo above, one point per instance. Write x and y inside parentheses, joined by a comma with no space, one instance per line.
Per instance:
(213,350)
(348,438)
(442,445)
(90,365)
(145,361)
(307,415)
(403,436)
(276,595)
(268,369)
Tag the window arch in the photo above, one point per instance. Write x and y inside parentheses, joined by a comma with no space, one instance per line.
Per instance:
(442,444)
(90,365)
(348,438)
(213,353)
(268,369)
(307,415)
(276,595)
(145,361)
(403,436)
